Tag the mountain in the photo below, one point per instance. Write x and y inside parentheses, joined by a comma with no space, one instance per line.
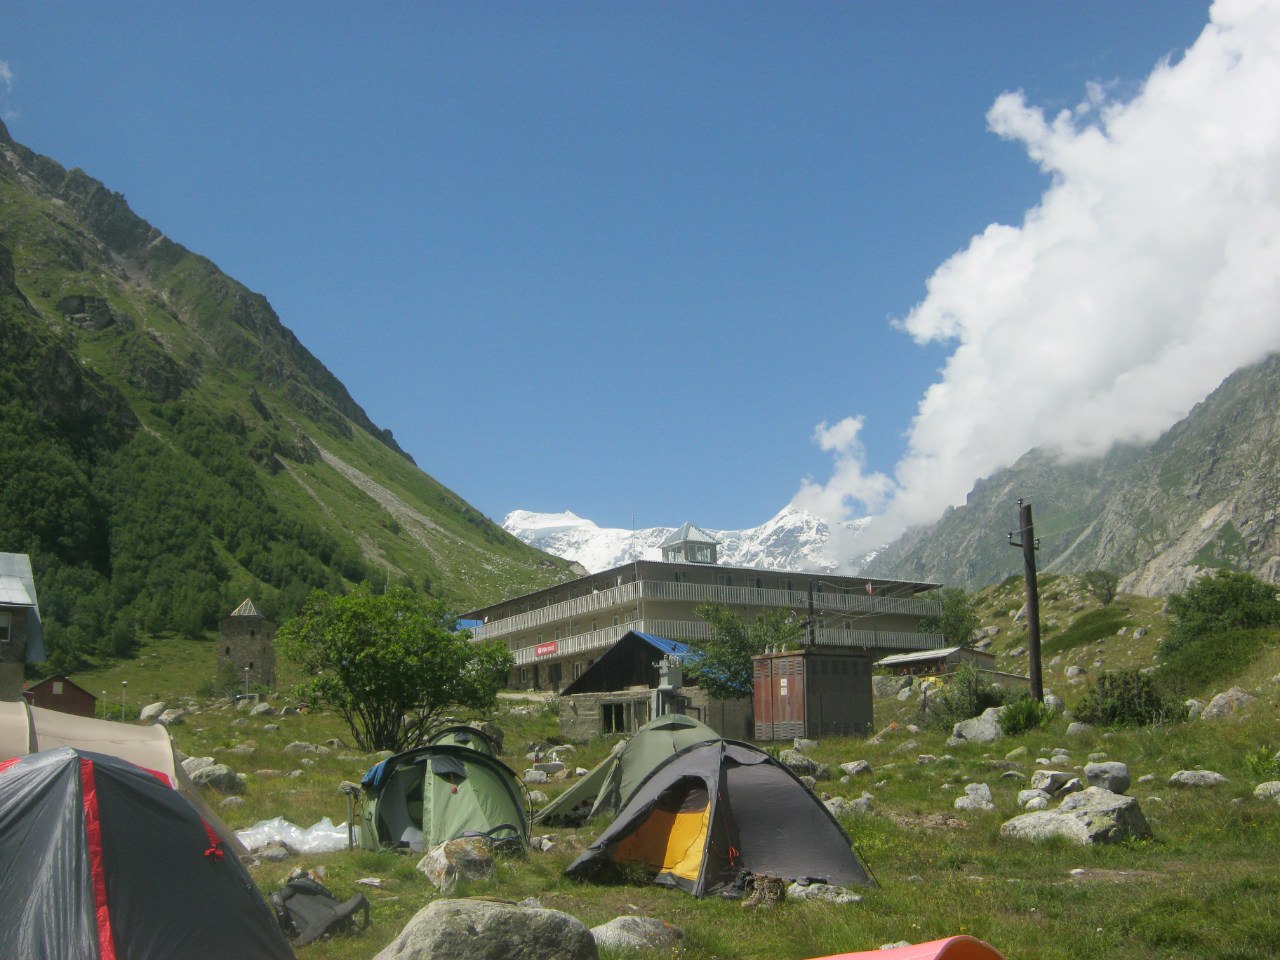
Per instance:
(170,447)
(1203,495)
(792,540)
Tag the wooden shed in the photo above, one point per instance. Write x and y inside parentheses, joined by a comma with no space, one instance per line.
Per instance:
(65,696)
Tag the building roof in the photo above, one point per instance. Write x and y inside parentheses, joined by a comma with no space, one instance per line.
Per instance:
(65,679)
(926,655)
(246,609)
(616,667)
(18,589)
(688,533)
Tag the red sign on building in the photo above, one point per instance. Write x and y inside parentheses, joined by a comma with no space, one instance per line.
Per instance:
(542,649)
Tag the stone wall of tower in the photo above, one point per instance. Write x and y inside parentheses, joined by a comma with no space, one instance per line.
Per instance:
(246,645)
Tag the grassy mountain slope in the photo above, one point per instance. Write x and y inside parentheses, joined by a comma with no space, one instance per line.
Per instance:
(172,448)
(1201,496)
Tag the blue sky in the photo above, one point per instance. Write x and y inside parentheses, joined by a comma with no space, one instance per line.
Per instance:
(621,259)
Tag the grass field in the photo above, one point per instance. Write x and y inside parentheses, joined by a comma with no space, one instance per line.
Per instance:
(1206,885)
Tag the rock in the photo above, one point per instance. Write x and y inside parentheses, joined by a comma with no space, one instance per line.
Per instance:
(906,746)
(534,776)
(843,807)
(888,686)
(242,750)
(1075,672)
(977,796)
(191,764)
(537,797)
(1092,816)
(980,729)
(1074,785)
(1194,708)
(1037,803)
(1198,778)
(803,766)
(288,711)
(906,693)
(926,758)
(486,930)
(151,711)
(1110,775)
(1268,791)
(174,717)
(1016,753)
(1054,702)
(1050,781)
(817,890)
(1077,729)
(856,768)
(803,745)
(233,801)
(494,733)
(1026,796)
(270,727)
(1013,775)
(1226,704)
(220,777)
(550,767)
(637,933)
(263,710)
(455,861)
(301,748)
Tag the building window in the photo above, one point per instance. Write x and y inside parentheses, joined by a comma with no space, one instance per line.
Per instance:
(6,619)
(681,576)
(577,670)
(57,688)
(553,674)
(724,579)
(612,718)
(594,624)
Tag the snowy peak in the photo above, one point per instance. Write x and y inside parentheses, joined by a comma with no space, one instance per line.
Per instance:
(792,540)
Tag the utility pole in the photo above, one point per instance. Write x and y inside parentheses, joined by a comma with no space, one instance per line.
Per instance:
(1029,544)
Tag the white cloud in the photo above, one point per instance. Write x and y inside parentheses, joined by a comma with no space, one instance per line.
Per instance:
(6,75)
(1148,272)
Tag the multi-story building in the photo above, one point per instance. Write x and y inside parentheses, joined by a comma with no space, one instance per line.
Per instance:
(557,632)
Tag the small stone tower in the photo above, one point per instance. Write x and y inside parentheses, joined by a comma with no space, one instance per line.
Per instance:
(245,647)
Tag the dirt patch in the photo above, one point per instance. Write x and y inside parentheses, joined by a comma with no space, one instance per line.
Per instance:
(929,821)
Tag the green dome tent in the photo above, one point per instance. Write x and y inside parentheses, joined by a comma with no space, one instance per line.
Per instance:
(610,784)
(461,735)
(716,810)
(425,796)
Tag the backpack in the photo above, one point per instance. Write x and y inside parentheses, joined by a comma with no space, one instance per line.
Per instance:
(307,911)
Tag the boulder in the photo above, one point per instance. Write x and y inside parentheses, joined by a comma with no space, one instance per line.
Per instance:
(856,768)
(1077,729)
(220,777)
(1268,791)
(1026,796)
(152,711)
(888,686)
(174,717)
(638,933)
(550,767)
(980,729)
(1089,817)
(191,764)
(455,861)
(1194,708)
(1197,778)
(977,796)
(494,733)
(301,748)
(1036,803)
(1050,781)
(1226,704)
(1054,702)
(486,930)
(803,744)
(803,766)
(534,776)
(1110,775)
(263,710)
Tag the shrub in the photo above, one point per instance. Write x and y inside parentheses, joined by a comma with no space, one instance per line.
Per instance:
(959,619)
(1127,698)
(1263,764)
(1193,667)
(1025,713)
(1225,600)
(966,695)
(1101,585)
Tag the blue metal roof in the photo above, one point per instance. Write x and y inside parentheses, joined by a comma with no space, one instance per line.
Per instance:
(670,647)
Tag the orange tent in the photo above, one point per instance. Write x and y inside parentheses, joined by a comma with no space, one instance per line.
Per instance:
(949,948)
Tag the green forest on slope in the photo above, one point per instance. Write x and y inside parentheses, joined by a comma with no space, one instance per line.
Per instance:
(171,447)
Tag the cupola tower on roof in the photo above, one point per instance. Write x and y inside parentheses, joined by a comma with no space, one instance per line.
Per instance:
(690,544)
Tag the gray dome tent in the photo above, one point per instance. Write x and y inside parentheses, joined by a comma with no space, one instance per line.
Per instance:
(612,781)
(102,859)
(716,809)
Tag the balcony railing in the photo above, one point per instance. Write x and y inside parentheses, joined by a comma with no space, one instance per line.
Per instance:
(629,594)
(691,630)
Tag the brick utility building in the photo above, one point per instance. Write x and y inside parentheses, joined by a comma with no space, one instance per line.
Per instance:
(21,637)
(556,633)
(246,647)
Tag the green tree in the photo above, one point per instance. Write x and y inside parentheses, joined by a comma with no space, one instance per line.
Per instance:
(1101,585)
(390,664)
(1225,600)
(959,619)
(723,668)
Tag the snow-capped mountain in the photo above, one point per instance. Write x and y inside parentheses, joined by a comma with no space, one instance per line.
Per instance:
(792,540)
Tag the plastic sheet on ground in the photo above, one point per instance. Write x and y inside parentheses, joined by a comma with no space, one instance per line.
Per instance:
(322,837)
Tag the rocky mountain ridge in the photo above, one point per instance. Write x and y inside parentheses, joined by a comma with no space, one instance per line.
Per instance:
(1204,495)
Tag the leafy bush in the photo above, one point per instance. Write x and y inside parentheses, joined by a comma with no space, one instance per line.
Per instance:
(959,619)
(1127,698)
(1194,667)
(967,694)
(1101,585)
(1225,600)
(1025,713)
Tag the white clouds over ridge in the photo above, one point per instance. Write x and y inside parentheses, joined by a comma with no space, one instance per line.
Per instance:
(1148,272)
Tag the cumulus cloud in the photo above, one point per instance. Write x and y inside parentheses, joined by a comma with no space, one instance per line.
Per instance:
(1147,273)
(850,479)
(6,75)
